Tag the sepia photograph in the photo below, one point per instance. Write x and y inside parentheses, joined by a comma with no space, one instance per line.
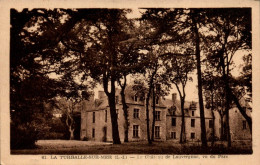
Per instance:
(129,82)
(124,81)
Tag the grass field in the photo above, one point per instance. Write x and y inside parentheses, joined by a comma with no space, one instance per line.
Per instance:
(168,147)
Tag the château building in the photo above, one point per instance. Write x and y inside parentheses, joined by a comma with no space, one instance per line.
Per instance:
(96,122)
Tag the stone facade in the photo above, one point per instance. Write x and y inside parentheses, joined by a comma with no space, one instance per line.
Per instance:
(96,121)
(192,122)
(239,128)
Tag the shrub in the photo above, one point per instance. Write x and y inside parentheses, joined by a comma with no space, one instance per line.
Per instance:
(22,136)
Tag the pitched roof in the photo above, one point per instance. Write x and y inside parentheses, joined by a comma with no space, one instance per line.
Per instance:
(97,104)
(188,106)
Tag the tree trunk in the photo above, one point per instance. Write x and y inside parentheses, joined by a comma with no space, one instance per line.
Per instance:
(125,107)
(221,127)
(227,107)
(183,131)
(228,128)
(228,101)
(147,118)
(202,116)
(112,106)
(147,106)
(153,124)
(70,125)
(213,126)
(225,74)
(71,133)
(113,114)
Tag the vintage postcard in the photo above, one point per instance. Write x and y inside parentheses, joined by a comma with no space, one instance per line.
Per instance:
(126,82)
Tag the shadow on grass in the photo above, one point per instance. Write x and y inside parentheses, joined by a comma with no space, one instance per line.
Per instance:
(141,148)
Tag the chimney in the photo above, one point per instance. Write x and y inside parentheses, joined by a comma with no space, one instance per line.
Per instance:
(174,95)
(88,95)
(91,96)
(101,94)
(158,87)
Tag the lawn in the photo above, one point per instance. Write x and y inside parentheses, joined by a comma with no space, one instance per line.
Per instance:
(168,147)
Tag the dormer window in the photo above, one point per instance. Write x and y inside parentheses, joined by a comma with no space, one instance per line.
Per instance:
(192,113)
(158,87)
(157,115)
(157,100)
(136,98)
(93,117)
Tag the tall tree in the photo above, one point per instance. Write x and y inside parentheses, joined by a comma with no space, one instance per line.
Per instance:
(212,85)
(30,88)
(70,98)
(112,55)
(91,44)
(125,107)
(179,68)
(168,31)
(195,17)
(146,86)
(142,89)
(176,27)
(130,62)
(39,47)
(231,32)
(94,44)
(156,84)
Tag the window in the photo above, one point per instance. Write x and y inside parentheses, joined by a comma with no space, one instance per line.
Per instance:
(157,100)
(136,98)
(135,131)
(173,113)
(117,113)
(192,113)
(105,134)
(173,121)
(93,119)
(105,115)
(136,113)
(93,132)
(116,100)
(192,135)
(244,124)
(210,123)
(157,115)
(173,135)
(158,87)
(192,123)
(157,132)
